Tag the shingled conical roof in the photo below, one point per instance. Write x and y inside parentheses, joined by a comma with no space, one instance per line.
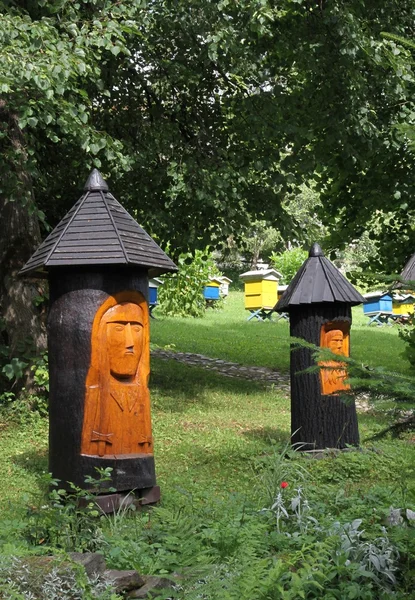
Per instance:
(98,231)
(318,280)
(408,274)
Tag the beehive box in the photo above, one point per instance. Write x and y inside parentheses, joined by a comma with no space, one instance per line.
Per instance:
(153,284)
(212,289)
(224,286)
(376,302)
(261,289)
(403,304)
(281,290)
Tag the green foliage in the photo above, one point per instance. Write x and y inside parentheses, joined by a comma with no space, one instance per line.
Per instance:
(407,334)
(66,517)
(288,263)
(211,114)
(40,370)
(259,241)
(279,465)
(18,406)
(354,260)
(291,549)
(31,579)
(182,293)
(14,369)
(302,207)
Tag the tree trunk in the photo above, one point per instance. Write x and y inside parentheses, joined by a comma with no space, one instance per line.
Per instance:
(23,330)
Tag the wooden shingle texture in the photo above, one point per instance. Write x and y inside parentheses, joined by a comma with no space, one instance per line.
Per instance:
(317,281)
(408,274)
(98,231)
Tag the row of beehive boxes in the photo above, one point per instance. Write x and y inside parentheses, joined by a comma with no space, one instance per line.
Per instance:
(261,288)
(388,303)
(216,287)
(262,291)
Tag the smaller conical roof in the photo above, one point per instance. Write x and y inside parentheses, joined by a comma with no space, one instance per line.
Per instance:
(98,231)
(408,274)
(317,281)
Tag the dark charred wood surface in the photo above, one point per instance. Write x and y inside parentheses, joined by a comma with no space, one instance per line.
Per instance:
(317,421)
(75,296)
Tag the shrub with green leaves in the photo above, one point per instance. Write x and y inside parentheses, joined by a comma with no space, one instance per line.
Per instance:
(182,293)
(288,263)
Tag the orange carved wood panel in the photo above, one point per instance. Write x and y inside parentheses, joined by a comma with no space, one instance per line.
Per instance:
(117,419)
(335,337)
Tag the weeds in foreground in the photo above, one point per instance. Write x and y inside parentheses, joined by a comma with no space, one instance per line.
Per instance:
(67,519)
(234,549)
(22,579)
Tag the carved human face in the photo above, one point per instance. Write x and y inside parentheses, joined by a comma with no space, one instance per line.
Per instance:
(124,339)
(335,341)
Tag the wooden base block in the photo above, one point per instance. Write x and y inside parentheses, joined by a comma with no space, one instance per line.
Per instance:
(110,503)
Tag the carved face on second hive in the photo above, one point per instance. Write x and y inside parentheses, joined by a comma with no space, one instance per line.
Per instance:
(333,373)
(124,339)
(334,341)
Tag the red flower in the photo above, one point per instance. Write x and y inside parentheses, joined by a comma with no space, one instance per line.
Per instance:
(284,484)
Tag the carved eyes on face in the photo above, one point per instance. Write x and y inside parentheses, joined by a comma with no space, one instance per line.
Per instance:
(136,327)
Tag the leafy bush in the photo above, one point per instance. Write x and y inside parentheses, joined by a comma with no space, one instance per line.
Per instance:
(182,293)
(288,263)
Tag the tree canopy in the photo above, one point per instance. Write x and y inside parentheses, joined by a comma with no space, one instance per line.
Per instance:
(214,113)
(208,116)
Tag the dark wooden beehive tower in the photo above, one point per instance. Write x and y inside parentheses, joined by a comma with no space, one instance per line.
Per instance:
(97,256)
(319,301)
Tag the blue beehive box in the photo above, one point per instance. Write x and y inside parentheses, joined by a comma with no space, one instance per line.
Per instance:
(377,302)
(212,289)
(153,284)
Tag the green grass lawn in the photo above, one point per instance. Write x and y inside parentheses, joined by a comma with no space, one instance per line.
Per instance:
(228,335)
(221,454)
(204,422)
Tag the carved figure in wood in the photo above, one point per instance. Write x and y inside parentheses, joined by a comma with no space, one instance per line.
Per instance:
(333,373)
(117,405)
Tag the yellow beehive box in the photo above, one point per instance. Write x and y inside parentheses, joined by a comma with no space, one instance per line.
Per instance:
(261,289)
(403,304)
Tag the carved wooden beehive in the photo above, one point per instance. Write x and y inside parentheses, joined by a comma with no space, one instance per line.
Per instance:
(98,261)
(319,301)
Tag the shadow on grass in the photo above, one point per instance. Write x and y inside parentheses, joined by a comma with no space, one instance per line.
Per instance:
(262,344)
(182,385)
(32,461)
(268,435)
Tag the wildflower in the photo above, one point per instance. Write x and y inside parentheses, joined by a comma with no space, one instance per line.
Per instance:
(284,485)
